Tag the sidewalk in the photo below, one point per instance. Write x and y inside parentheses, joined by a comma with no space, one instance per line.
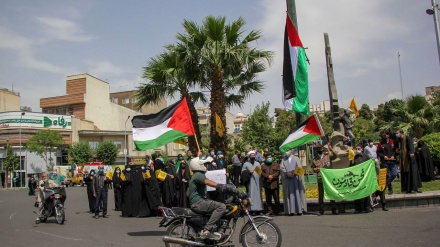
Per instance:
(395,201)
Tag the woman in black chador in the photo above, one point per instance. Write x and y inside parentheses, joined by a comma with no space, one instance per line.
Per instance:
(88,179)
(169,185)
(152,186)
(128,192)
(183,177)
(424,162)
(117,182)
(148,203)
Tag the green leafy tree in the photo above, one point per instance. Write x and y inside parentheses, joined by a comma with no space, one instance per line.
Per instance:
(364,128)
(44,143)
(365,112)
(416,116)
(433,142)
(107,152)
(326,123)
(80,153)
(258,130)
(12,162)
(222,60)
(387,119)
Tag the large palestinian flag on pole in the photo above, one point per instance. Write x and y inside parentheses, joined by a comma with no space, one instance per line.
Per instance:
(308,131)
(295,74)
(155,130)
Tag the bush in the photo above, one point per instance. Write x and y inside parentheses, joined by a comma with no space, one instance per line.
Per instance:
(433,142)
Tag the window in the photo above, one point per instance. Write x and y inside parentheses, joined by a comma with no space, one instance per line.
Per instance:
(178,146)
(134,100)
(125,100)
(70,111)
(93,145)
(115,100)
(118,144)
(61,111)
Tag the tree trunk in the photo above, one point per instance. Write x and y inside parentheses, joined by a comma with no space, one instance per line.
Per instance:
(217,105)
(192,142)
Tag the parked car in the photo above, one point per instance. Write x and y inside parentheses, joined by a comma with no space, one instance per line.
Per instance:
(77,179)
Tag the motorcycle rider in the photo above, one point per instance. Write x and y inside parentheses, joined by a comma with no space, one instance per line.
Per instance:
(198,196)
(43,184)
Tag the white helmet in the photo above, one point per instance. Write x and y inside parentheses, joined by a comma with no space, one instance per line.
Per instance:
(197,163)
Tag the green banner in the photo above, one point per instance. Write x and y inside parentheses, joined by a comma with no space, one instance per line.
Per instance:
(350,183)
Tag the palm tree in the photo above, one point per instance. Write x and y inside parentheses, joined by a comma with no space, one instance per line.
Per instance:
(416,115)
(167,77)
(223,62)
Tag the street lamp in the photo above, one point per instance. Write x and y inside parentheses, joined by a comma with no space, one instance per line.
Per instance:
(21,116)
(434,12)
(125,136)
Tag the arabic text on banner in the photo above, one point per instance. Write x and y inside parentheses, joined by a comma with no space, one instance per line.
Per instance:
(350,183)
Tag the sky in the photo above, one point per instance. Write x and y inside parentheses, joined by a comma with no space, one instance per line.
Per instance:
(43,42)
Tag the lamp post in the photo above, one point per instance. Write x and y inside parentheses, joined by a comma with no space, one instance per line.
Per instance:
(125,144)
(21,116)
(434,12)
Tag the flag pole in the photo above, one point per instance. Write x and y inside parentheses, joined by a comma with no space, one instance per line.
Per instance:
(197,142)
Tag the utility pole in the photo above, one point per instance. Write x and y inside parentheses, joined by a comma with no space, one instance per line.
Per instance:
(434,12)
(400,74)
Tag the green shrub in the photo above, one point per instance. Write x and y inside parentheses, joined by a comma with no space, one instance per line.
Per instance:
(433,142)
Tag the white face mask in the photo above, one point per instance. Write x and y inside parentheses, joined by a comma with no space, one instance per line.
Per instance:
(371,144)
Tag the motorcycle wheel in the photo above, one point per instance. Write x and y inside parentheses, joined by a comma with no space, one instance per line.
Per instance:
(175,230)
(270,231)
(60,216)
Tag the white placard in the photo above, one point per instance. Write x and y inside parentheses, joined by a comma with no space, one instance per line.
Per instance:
(218,176)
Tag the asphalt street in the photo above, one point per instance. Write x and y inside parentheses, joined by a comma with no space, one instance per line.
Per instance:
(398,227)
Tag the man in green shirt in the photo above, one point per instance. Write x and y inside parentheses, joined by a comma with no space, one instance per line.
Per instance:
(198,199)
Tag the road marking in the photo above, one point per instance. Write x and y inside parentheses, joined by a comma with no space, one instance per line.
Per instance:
(12,215)
(50,234)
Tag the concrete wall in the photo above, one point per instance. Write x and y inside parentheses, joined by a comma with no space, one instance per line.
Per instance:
(9,101)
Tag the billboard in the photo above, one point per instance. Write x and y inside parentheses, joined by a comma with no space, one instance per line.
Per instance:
(35,120)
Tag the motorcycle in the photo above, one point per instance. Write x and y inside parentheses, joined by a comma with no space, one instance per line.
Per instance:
(184,225)
(53,204)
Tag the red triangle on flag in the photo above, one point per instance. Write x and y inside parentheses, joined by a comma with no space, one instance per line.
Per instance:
(181,119)
(312,126)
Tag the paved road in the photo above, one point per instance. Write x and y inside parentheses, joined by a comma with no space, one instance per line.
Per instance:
(398,227)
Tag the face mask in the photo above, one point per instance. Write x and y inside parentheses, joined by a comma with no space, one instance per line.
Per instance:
(183,166)
(252,159)
(269,160)
(398,135)
(287,153)
(118,171)
(101,170)
(358,151)
(128,169)
(92,173)
(212,154)
(371,144)
(415,143)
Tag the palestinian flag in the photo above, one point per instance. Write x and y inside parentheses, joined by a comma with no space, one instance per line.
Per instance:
(295,75)
(308,131)
(155,130)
